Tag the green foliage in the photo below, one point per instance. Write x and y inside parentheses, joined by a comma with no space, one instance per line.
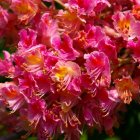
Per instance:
(32,138)
(84,136)
(2,44)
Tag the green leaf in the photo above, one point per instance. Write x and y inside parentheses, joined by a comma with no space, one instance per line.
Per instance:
(84,137)
(32,138)
(2,44)
(113,138)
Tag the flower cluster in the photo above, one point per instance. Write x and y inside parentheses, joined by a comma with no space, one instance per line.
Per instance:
(69,64)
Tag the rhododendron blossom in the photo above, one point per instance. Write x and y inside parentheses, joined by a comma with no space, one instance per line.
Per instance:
(68,65)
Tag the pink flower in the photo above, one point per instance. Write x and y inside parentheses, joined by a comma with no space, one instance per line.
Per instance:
(64,47)
(107,46)
(98,67)
(86,6)
(27,38)
(97,110)
(25,9)
(73,65)
(69,20)
(69,119)
(4,18)
(12,95)
(91,112)
(31,59)
(48,126)
(33,85)
(47,29)
(89,6)
(89,38)
(65,72)
(107,106)
(70,122)
(134,46)
(136,11)
(113,95)
(35,111)
(126,25)
(127,89)
(106,103)
(6,66)
(50,60)
(137,2)
(101,5)
(28,86)
(43,83)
